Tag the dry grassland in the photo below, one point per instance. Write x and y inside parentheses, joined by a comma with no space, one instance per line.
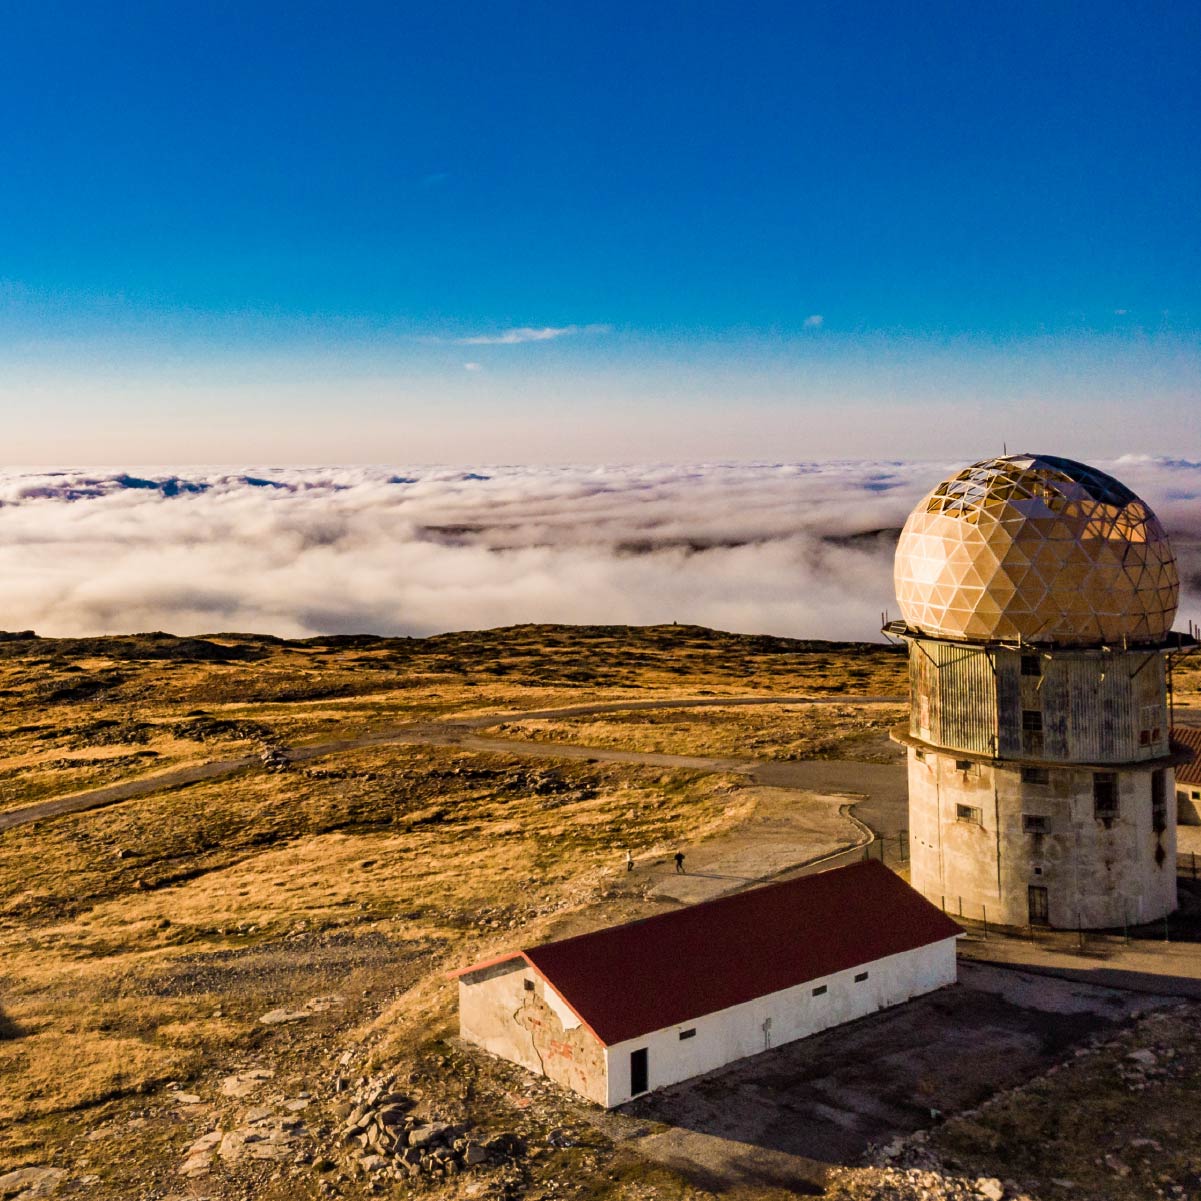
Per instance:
(840,731)
(140,944)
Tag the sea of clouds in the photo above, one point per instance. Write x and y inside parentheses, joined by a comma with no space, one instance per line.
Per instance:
(793,549)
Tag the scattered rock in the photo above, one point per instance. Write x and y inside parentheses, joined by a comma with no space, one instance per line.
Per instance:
(277,1017)
(1116,1166)
(206,1142)
(29,1183)
(991,1188)
(314,1005)
(195,1166)
(186,1098)
(242,1084)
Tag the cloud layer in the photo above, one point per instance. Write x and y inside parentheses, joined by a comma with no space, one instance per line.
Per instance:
(799,549)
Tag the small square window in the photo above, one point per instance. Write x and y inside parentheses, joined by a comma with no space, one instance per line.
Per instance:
(1032,665)
(963,765)
(1032,721)
(687,1034)
(1038,871)
(1035,775)
(859,979)
(967,813)
(1034,823)
(529,985)
(820,990)
(920,756)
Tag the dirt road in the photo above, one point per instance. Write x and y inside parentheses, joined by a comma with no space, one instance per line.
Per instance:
(461,732)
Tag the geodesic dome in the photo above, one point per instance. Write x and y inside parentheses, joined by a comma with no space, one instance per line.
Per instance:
(1036,548)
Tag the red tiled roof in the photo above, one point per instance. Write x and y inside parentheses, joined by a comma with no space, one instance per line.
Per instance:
(628,980)
(1188,738)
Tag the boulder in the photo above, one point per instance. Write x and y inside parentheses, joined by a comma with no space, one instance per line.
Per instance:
(29,1183)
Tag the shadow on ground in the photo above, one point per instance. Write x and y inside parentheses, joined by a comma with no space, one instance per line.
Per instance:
(782,1119)
(8,1028)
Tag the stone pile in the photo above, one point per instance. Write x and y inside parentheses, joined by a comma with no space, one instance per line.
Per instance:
(389,1140)
(914,1184)
(273,758)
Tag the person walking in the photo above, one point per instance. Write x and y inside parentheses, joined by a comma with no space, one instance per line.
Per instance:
(629,860)
(680,862)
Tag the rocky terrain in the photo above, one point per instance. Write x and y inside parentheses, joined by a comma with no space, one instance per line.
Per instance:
(236,988)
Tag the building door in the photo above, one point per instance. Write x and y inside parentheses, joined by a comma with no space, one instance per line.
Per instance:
(638,1080)
(1037,902)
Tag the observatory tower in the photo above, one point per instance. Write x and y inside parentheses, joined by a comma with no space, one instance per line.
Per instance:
(1037,596)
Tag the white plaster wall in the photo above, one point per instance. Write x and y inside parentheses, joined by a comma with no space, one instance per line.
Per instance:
(1188,804)
(1096,876)
(731,1034)
(487,1002)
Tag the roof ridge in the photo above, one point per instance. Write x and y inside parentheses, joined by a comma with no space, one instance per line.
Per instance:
(725,897)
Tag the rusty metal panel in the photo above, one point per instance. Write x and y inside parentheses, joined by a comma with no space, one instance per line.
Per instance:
(1009,703)
(1093,707)
(1053,695)
(960,690)
(1102,719)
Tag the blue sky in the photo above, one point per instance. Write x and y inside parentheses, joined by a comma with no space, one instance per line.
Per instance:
(286,232)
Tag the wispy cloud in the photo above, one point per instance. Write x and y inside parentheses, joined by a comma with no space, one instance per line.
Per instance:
(813,321)
(529,333)
(473,367)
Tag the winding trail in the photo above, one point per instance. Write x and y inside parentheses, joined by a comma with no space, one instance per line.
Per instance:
(884,782)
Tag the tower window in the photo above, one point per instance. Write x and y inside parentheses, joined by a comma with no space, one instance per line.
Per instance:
(1034,823)
(1032,665)
(1032,731)
(1105,795)
(963,765)
(920,756)
(1035,775)
(688,1034)
(967,813)
(820,990)
(860,977)
(1159,801)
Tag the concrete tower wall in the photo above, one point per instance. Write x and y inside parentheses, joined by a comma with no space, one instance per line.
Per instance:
(982,837)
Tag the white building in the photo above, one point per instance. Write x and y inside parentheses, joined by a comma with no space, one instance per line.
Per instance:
(633,1008)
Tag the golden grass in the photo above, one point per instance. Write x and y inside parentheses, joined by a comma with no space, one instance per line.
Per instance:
(140,944)
(772,732)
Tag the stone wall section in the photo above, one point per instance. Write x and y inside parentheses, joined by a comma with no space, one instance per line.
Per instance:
(976,851)
(512,1012)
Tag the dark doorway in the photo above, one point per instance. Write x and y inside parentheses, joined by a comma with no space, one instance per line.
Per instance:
(1037,902)
(638,1079)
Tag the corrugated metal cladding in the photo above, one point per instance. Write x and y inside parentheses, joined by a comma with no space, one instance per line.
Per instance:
(955,695)
(1116,709)
(1092,707)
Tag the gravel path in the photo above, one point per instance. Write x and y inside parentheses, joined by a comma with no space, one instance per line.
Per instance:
(459,732)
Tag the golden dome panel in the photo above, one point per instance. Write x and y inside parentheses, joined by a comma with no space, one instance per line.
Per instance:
(1036,548)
